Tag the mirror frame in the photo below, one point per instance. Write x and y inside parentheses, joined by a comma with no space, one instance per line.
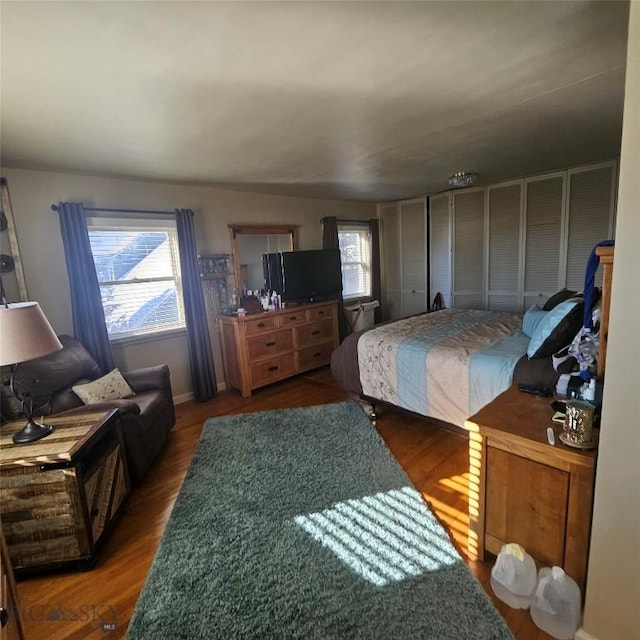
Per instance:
(256,229)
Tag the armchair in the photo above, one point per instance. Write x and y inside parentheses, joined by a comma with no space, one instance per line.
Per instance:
(147,417)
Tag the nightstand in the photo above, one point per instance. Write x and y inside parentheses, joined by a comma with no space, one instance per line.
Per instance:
(524,490)
(62,494)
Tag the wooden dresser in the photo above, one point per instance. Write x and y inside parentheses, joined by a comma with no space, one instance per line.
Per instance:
(263,348)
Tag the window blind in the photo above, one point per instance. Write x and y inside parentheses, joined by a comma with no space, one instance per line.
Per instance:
(138,271)
(355,257)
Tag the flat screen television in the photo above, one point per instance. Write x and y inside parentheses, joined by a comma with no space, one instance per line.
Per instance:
(303,276)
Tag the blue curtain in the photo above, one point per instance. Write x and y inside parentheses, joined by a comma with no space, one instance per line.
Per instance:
(203,377)
(89,325)
(330,240)
(376,286)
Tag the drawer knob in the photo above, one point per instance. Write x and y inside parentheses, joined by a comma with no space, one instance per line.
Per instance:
(260,325)
(320,313)
(317,354)
(274,367)
(316,332)
(270,344)
(293,317)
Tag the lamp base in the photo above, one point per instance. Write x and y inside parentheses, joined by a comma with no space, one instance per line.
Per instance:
(32,431)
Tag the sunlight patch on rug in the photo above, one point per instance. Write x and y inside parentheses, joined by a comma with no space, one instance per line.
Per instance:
(384,538)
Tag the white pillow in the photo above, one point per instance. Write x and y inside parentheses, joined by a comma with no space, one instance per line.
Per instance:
(110,387)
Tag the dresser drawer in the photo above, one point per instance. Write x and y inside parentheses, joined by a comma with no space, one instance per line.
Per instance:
(293,318)
(320,312)
(313,332)
(272,369)
(270,344)
(260,324)
(315,356)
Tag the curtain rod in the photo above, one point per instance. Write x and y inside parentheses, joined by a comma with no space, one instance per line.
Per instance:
(345,221)
(54,207)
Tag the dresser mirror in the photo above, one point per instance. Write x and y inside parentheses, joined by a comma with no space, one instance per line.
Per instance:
(248,243)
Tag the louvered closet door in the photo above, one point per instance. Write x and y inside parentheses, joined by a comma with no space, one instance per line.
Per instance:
(413,234)
(544,201)
(591,200)
(503,273)
(390,234)
(468,249)
(440,246)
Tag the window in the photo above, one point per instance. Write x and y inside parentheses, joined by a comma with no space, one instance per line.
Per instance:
(138,271)
(355,255)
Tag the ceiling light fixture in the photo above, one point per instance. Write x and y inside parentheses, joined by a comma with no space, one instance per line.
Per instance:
(462,179)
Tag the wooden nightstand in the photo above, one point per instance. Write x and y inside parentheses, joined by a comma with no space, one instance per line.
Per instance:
(524,490)
(61,495)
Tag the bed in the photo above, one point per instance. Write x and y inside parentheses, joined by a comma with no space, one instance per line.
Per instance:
(449,363)
(444,365)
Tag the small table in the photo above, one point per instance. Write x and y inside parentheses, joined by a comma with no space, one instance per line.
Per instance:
(524,490)
(60,495)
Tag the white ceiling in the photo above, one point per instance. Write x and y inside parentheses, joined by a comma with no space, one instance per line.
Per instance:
(370,101)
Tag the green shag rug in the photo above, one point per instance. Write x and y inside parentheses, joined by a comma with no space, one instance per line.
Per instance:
(299,523)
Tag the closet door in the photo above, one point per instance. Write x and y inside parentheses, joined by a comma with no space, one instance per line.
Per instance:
(440,246)
(503,250)
(544,206)
(468,249)
(390,239)
(413,240)
(590,217)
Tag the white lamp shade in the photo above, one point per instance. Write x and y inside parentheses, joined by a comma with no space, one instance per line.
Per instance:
(25,333)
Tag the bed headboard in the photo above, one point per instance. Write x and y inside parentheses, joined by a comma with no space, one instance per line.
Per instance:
(606,260)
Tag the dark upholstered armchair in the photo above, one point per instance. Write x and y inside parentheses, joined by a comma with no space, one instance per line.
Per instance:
(146,417)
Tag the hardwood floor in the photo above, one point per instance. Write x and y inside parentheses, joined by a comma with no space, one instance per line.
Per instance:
(99,603)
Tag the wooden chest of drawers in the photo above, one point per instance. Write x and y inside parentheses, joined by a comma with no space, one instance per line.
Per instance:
(263,348)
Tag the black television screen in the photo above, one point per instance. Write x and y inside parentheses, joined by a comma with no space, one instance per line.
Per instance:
(304,276)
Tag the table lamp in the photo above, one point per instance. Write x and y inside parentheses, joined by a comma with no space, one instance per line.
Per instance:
(25,334)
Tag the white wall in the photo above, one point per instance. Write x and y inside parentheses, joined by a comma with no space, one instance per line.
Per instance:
(612,609)
(38,230)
